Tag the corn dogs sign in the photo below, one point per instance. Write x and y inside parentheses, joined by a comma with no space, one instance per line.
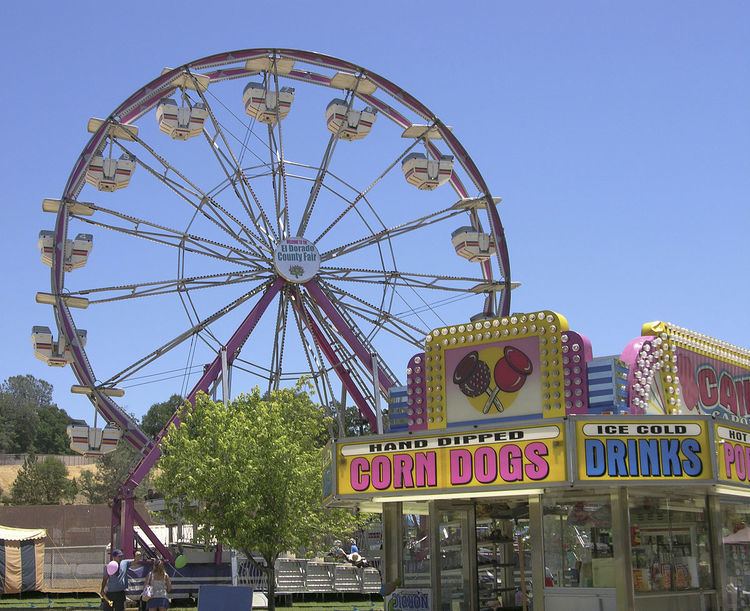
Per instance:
(497,458)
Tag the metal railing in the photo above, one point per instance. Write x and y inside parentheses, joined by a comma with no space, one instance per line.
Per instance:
(69,460)
(300,576)
(74,568)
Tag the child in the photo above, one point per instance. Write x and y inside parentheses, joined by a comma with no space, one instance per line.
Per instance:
(160,587)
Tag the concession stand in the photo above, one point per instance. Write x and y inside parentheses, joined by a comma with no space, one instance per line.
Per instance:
(522,472)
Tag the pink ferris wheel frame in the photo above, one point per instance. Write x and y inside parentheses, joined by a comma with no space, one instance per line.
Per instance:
(220,67)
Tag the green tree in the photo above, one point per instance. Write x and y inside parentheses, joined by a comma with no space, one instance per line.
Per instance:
(255,470)
(42,482)
(51,436)
(159,414)
(29,420)
(102,485)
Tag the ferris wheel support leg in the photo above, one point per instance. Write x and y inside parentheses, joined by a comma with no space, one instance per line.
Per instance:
(376,395)
(115,524)
(346,380)
(140,471)
(151,536)
(361,352)
(128,534)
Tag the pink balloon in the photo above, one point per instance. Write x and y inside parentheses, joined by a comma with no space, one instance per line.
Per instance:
(113,567)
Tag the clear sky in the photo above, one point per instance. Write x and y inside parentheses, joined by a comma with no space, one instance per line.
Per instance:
(617,134)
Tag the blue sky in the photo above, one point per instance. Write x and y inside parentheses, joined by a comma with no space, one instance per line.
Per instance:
(616,133)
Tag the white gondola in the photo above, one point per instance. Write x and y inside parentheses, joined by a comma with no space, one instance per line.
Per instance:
(107,174)
(76,251)
(54,353)
(472,244)
(92,441)
(262,105)
(351,124)
(180,122)
(427,174)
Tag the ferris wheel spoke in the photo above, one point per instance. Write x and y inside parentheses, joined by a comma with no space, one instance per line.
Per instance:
(382,315)
(188,191)
(277,357)
(184,242)
(163,287)
(414,279)
(169,233)
(276,147)
(351,334)
(310,349)
(379,323)
(323,168)
(235,343)
(344,357)
(130,370)
(237,175)
(392,232)
(363,194)
(341,362)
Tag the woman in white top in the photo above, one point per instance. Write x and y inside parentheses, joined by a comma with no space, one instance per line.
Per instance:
(160,587)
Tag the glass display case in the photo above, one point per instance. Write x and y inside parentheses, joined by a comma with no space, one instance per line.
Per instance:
(578,545)
(455,573)
(735,530)
(503,555)
(416,545)
(670,544)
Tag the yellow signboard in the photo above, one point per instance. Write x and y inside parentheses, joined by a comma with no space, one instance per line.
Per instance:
(650,449)
(530,456)
(500,368)
(733,455)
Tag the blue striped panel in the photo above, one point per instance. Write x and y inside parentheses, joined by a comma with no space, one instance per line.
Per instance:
(28,566)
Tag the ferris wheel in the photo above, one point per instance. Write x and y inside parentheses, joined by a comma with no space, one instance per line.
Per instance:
(258,216)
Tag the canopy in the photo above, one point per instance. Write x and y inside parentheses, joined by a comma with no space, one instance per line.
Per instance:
(741,536)
(8,533)
(21,559)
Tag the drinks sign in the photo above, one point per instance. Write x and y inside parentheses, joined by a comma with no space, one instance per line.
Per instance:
(644,450)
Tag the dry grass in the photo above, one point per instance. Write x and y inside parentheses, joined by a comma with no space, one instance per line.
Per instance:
(8,474)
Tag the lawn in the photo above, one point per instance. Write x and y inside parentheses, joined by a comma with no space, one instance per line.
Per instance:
(79,604)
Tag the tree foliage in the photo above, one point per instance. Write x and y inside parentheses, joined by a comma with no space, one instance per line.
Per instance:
(30,422)
(159,414)
(255,472)
(42,482)
(102,485)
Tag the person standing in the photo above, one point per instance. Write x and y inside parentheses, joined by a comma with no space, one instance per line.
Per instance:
(114,586)
(138,570)
(160,587)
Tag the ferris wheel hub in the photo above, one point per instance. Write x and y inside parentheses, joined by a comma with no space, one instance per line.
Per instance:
(296,260)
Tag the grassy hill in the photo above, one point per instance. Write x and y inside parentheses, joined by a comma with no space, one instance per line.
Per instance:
(8,475)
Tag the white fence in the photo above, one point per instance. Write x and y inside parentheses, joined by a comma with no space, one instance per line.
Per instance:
(74,568)
(69,460)
(300,576)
